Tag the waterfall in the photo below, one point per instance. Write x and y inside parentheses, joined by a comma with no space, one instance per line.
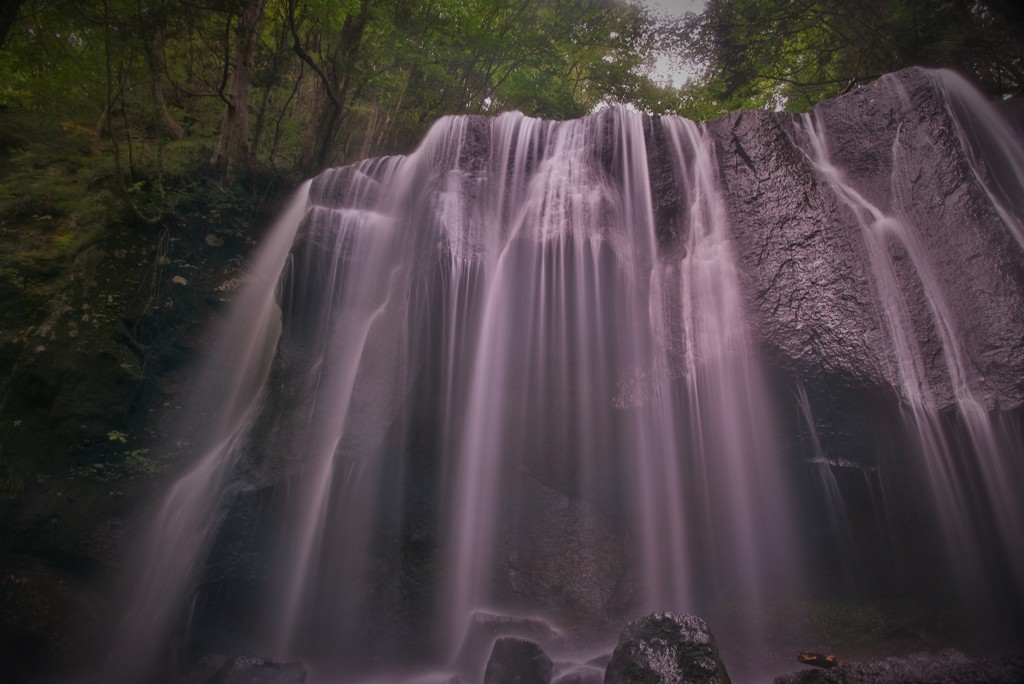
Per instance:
(839,530)
(521,372)
(227,401)
(972,482)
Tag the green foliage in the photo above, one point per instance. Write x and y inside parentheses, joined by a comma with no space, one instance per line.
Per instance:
(781,54)
(52,55)
(126,465)
(117,436)
(55,187)
(13,475)
(360,78)
(335,80)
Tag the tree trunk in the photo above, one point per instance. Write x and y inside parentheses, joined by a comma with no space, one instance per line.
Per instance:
(8,15)
(233,145)
(322,136)
(155,58)
(279,53)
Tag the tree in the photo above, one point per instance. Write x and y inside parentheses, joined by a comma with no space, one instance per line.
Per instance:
(233,144)
(794,53)
(8,14)
(300,85)
(154,21)
(334,34)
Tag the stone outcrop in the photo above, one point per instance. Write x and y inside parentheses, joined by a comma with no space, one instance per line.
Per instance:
(517,661)
(485,629)
(248,669)
(813,296)
(666,648)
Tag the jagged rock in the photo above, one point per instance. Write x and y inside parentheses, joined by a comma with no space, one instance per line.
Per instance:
(946,667)
(807,269)
(248,669)
(517,661)
(809,272)
(485,628)
(666,648)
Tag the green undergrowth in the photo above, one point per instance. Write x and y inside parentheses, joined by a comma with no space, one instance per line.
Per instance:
(123,465)
(63,191)
(13,475)
(62,188)
(54,195)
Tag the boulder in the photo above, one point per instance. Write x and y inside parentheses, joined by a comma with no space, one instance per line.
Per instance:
(249,669)
(665,648)
(517,661)
(485,628)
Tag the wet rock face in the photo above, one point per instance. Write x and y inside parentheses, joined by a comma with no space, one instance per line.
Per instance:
(809,282)
(907,153)
(564,555)
(814,299)
(666,648)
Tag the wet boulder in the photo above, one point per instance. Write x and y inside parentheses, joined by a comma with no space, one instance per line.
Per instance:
(517,661)
(249,669)
(486,628)
(668,649)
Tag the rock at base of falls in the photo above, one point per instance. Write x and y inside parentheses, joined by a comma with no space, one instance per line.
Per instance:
(486,628)
(946,667)
(517,661)
(248,669)
(667,648)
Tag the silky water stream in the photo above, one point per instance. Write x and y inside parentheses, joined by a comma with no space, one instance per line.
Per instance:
(497,377)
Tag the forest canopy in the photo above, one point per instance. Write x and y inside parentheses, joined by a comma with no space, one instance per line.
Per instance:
(794,53)
(298,85)
(310,83)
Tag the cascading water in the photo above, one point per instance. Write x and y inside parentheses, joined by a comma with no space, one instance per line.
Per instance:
(510,272)
(184,524)
(973,485)
(839,528)
(516,372)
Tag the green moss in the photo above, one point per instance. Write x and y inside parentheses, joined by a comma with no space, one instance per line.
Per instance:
(124,465)
(13,475)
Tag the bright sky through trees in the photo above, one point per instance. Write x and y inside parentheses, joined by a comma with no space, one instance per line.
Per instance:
(668,68)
